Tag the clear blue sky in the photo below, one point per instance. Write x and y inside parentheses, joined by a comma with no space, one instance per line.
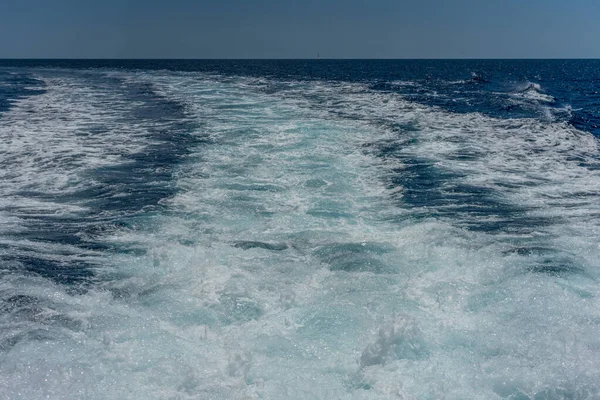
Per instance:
(300,29)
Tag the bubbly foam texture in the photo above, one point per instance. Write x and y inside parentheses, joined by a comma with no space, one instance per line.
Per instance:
(533,91)
(298,261)
(49,148)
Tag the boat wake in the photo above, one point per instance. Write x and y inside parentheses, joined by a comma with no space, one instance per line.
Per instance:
(238,238)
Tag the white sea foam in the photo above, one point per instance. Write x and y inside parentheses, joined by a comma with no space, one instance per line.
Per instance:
(533,91)
(47,150)
(290,268)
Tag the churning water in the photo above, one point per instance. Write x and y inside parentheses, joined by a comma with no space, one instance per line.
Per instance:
(299,230)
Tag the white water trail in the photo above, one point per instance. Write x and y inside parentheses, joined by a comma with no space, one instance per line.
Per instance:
(288,267)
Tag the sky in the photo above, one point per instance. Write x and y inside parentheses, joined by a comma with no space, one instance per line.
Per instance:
(300,29)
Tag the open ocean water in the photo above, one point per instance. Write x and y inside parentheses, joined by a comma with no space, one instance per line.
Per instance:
(300,229)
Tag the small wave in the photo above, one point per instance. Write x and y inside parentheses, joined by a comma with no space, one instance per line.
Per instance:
(533,91)
(474,79)
(477,78)
(458,82)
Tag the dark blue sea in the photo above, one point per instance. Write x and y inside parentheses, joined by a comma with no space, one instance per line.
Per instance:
(300,229)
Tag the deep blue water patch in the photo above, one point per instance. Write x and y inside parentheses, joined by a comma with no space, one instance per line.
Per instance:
(15,85)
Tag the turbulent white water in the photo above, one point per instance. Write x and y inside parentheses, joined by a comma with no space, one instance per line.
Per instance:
(322,242)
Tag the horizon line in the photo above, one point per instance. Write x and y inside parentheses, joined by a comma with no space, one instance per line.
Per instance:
(290,59)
